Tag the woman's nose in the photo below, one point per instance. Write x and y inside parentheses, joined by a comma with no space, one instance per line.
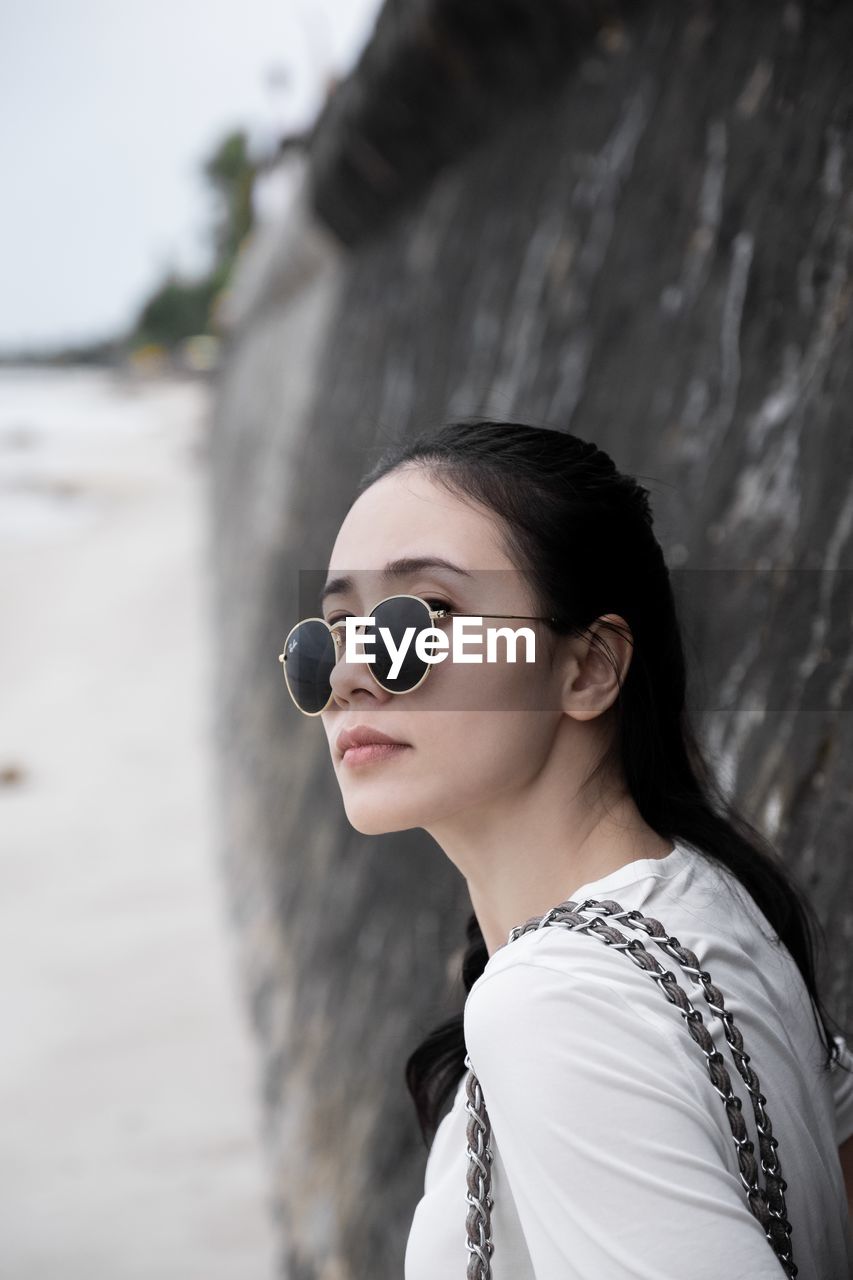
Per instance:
(351,678)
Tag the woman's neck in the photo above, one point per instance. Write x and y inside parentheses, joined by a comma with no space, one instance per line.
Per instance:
(530,850)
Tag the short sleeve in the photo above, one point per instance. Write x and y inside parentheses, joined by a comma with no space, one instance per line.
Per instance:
(614,1159)
(842,1090)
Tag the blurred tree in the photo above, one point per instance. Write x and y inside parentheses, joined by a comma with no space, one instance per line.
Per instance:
(178,310)
(181,308)
(230,173)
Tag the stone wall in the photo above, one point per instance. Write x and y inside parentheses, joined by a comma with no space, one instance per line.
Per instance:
(654,251)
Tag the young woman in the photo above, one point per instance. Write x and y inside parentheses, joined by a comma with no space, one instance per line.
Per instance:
(573,776)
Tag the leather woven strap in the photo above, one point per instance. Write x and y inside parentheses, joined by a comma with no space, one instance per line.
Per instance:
(768,1205)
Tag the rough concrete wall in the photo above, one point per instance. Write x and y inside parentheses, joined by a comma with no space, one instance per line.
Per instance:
(658,258)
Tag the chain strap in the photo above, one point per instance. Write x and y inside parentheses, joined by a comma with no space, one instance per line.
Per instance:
(767,1206)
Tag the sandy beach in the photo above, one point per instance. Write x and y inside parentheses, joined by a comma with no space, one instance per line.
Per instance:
(132,1144)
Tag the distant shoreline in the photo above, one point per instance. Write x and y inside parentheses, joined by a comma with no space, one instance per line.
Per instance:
(195,357)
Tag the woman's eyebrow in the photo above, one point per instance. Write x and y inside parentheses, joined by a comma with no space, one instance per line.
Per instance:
(402,568)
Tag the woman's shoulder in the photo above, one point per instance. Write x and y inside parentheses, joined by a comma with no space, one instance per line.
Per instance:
(553,981)
(693,901)
(561,988)
(563,1016)
(566,991)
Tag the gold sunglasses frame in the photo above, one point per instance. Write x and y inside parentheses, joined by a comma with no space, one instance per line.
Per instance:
(332,627)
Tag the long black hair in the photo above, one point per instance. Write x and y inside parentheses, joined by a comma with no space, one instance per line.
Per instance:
(555,493)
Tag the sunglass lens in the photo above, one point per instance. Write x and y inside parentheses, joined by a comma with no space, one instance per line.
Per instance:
(397,616)
(308,664)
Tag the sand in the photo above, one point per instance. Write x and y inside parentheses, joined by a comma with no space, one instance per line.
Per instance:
(132,1144)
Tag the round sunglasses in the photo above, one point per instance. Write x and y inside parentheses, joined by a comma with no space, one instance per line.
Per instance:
(312,648)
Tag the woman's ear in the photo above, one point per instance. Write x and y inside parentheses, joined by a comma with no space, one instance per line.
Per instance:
(592,661)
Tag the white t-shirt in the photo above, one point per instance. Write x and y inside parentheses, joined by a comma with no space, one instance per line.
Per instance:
(613,1154)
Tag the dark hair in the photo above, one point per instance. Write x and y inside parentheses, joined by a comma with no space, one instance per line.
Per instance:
(554,492)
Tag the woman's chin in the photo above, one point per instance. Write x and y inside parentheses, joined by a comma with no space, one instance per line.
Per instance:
(379,819)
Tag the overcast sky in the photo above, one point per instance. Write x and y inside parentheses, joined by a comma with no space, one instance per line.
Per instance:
(107,109)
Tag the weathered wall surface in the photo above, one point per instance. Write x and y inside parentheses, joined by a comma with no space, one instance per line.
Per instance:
(657,256)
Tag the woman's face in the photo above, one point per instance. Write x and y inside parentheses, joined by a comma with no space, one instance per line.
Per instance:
(474,732)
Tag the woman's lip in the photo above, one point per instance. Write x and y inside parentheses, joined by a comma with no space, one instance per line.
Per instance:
(372,751)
